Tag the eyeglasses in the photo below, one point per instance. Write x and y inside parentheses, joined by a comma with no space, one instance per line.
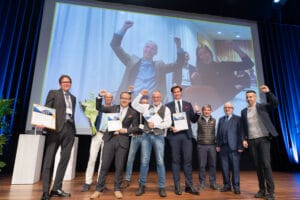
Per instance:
(125,98)
(228,107)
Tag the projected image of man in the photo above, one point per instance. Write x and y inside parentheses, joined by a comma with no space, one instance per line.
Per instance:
(143,73)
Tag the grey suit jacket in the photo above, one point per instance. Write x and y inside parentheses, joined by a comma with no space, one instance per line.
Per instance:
(132,63)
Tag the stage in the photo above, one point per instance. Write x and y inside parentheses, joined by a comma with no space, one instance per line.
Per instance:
(286,188)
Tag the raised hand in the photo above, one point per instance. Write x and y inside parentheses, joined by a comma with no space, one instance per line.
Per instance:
(144,92)
(127,24)
(130,88)
(196,108)
(264,89)
(177,42)
(102,92)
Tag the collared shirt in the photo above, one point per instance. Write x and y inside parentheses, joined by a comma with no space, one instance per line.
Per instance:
(177,106)
(256,129)
(145,78)
(206,118)
(123,112)
(68,101)
(228,117)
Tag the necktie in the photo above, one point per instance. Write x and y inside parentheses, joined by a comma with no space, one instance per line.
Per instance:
(68,101)
(68,106)
(179,106)
(122,113)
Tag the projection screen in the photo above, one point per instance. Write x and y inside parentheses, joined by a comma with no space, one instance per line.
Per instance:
(76,39)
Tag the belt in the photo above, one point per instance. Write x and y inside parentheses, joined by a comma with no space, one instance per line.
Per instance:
(69,121)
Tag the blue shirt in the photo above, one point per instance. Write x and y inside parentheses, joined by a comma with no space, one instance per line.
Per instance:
(145,78)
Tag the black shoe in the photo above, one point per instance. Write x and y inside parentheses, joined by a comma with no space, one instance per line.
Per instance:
(140,191)
(237,192)
(125,184)
(177,190)
(225,189)
(270,196)
(260,194)
(59,193)
(85,187)
(214,186)
(191,190)
(45,196)
(162,192)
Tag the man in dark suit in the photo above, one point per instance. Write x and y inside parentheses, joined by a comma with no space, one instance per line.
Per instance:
(257,130)
(116,143)
(229,144)
(62,136)
(181,141)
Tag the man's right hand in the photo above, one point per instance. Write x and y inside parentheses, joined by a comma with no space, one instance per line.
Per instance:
(102,92)
(127,24)
(177,42)
(144,92)
(245,144)
(130,88)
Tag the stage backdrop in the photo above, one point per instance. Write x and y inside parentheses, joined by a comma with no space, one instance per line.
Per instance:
(75,39)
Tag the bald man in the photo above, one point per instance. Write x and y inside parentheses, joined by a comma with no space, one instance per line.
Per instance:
(229,144)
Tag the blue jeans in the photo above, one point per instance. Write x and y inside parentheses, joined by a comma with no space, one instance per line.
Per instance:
(158,144)
(134,146)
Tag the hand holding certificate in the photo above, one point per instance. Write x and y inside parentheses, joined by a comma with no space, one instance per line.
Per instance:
(152,116)
(180,121)
(43,116)
(113,122)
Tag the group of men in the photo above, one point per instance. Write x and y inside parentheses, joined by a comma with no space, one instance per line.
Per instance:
(150,124)
(234,133)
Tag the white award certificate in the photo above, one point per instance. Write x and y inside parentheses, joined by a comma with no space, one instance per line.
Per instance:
(180,121)
(113,122)
(42,115)
(151,116)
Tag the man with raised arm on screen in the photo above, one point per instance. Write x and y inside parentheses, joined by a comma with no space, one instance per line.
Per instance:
(143,73)
(257,130)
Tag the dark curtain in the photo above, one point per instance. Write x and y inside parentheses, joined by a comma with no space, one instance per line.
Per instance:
(20,22)
(280,50)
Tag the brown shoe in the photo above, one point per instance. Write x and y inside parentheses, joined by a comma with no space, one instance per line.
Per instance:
(118,194)
(96,195)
